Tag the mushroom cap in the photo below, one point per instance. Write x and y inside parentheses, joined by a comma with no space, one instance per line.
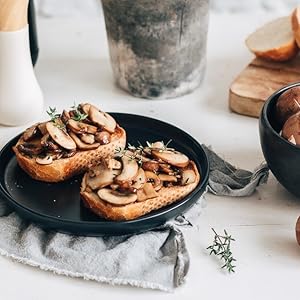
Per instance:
(61,137)
(115,197)
(174,158)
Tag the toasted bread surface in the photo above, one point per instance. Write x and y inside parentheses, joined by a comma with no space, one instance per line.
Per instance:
(66,168)
(166,196)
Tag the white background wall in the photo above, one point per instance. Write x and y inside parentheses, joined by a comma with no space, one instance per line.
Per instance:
(66,8)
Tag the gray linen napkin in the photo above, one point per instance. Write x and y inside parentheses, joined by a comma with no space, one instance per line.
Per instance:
(156,259)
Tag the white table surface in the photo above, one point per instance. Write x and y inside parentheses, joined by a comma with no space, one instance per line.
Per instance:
(74,66)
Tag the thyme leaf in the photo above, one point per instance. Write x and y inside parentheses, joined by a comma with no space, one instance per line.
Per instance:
(221,248)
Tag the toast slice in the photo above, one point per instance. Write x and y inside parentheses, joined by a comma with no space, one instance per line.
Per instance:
(274,40)
(69,143)
(66,168)
(130,202)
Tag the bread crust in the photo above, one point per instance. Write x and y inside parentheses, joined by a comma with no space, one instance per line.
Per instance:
(295,19)
(284,52)
(166,196)
(66,168)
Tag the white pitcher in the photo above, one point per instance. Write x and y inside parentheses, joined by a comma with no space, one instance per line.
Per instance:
(21,99)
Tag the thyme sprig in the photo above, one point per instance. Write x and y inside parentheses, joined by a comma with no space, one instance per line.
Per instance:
(55,118)
(78,115)
(136,152)
(135,155)
(52,113)
(221,248)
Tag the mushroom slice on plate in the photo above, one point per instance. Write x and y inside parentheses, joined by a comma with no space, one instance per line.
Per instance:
(165,177)
(139,180)
(116,198)
(85,108)
(65,116)
(114,164)
(60,136)
(47,160)
(80,127)
(42,128)
(188,176)
(88,138)
(153,178)
(102,178)
(129,171)
(152,166)
(81,145)
(96,116)
(147,192)
(30,133)
(103,137)
(102,119)
(174,158)
(110,124)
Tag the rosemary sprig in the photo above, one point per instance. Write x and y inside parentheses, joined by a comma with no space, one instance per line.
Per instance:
(221,248)
(78,115)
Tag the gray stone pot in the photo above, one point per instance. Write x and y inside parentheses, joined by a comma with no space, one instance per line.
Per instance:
(157,47)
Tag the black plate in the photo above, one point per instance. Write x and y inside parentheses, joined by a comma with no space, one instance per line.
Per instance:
(57,206)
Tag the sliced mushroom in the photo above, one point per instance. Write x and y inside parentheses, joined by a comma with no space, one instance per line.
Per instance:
(81,145)
(103,137)
(103,177)
(114,164)
(80,127)
(44,139)
(85,108)
(174,158)
(115,197)
(60,136)
(152,166)
(65,116)
(47,160)
(129,171)
(158,145)
(102,119)
(147,192)
(88,138)
(139,180)
(96,116)
(111,123)
(42,128)
(169,178)
(188,176)
(30,133)
(165,168)
(30,149)
(68,154)
(153,178)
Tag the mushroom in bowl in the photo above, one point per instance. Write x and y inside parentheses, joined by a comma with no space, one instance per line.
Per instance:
(280,149)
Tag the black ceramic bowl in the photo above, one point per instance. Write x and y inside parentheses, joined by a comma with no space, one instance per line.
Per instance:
(282,157)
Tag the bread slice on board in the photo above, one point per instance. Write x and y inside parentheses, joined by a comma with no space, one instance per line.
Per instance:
(274,40)
(166,196)
(65,168)
(296,24)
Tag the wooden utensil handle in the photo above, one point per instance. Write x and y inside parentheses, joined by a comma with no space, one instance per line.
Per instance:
(13,14)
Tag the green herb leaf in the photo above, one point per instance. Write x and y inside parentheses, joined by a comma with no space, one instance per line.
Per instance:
(221,248)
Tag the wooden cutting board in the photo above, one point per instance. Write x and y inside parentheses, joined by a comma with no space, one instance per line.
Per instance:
(258,81)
